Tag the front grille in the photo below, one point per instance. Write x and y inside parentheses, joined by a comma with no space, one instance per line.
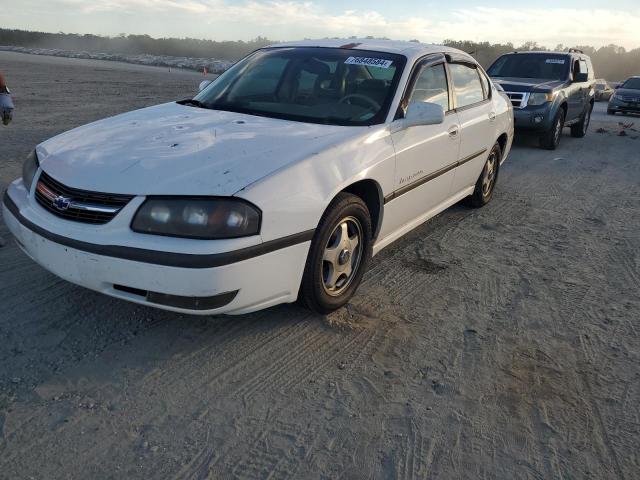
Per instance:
(628,99)
(78,205)
(518,99)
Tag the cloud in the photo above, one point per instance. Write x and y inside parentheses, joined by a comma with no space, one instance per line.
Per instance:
(290,19)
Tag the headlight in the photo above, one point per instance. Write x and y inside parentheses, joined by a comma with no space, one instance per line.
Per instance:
(29,169)
(536,99)
(203,218)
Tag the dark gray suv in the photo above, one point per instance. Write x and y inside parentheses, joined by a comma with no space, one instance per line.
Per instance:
(549,91)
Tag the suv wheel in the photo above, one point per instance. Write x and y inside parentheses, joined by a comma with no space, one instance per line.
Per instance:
(551,139)
(579,130)
(339,255)
(486,183)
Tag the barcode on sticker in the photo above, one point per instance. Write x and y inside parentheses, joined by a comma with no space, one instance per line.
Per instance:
(369,62)
(559,61)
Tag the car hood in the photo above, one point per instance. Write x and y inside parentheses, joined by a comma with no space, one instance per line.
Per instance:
(511,84)
(174,149)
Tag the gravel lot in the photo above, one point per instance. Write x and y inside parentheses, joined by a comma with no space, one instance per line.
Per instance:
(494,343)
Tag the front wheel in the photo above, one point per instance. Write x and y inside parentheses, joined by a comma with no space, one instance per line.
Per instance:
(551,139)
(486,183)
(339,255)
(579,130)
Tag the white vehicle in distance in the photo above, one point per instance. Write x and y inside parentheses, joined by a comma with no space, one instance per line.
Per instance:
(281,178)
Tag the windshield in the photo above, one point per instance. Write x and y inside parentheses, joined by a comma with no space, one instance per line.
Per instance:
(632,84)
(318,85)
(531,65)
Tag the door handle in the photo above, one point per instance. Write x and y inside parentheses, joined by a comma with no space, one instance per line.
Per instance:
(492,116)
(453,131)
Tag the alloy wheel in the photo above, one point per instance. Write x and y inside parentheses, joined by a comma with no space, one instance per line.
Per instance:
(342,256)
(489,176)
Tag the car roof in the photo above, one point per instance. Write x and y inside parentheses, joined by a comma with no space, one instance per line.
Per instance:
(412,50)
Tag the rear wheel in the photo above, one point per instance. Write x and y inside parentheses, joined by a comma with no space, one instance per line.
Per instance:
(579,130)
(487,181)
(339,255)
(551,139)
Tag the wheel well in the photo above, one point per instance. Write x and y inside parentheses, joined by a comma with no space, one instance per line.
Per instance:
(565,108)
(502,141)
(371,194)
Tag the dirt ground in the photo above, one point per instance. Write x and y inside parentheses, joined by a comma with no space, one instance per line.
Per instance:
(494,343)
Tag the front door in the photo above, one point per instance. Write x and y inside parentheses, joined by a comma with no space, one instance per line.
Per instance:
(575,101)
(426,155)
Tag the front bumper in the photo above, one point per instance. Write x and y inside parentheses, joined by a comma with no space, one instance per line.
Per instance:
(533,118)
(620,106)
(234,282)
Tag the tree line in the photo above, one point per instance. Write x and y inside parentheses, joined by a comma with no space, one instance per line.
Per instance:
(612,62)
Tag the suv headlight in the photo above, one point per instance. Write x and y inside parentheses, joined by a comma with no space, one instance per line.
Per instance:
(29,169)
(537,99)
(200,217)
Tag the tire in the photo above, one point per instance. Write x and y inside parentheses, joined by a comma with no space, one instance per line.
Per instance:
(579,130)
(610,112)
(551,139)
(487,180)
(335,266)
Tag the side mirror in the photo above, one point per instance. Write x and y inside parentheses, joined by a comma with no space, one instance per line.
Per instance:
(204,84)
(423,113)
(581,77)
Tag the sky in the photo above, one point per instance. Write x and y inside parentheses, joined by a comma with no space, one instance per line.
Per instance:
(547,22)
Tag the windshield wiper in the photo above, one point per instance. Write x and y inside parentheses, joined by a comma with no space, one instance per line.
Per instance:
(192,101)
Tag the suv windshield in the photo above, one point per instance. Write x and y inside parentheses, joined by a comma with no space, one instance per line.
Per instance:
(632,83)
(318,85)
(531,65)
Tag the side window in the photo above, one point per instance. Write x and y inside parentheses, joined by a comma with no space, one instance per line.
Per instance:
(431,86)
(468,89)
(583,67)
(576,68)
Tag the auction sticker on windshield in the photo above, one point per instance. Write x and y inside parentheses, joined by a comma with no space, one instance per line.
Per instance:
(369,62)
(559,61)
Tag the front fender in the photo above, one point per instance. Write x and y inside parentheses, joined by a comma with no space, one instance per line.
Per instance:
(293,200)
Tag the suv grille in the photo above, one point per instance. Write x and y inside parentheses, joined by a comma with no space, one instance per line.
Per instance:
(518,99)
(78,205)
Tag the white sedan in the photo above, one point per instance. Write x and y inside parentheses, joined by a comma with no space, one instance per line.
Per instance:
(279,180)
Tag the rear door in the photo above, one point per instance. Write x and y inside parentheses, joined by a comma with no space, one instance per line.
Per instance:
(472,96)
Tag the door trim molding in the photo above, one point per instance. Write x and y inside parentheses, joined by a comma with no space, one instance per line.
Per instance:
(432,176)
